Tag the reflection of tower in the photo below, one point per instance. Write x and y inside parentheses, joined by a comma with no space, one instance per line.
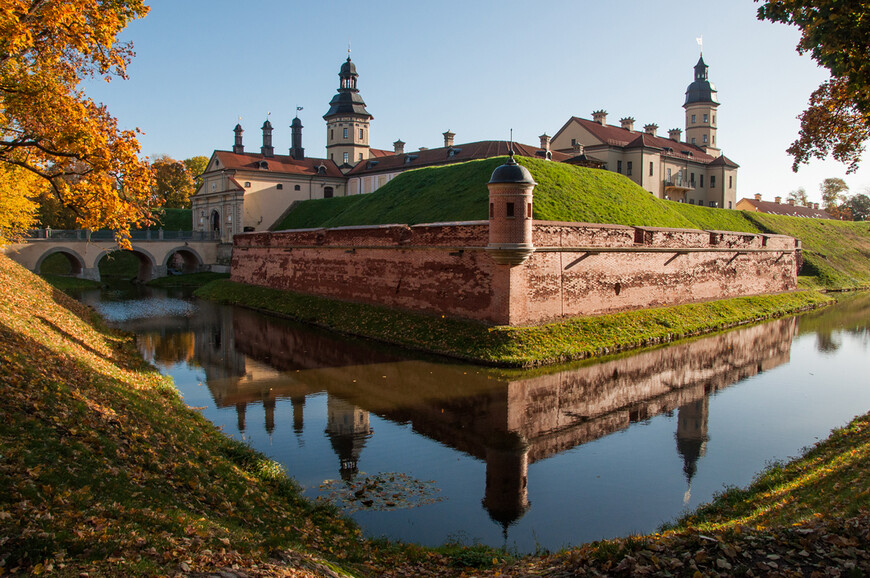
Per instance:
(507,478)
(348,428)
(269,407)
(692,436)
(240,415)
(298,403)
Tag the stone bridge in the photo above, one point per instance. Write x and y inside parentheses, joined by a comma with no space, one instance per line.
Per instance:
(157,251)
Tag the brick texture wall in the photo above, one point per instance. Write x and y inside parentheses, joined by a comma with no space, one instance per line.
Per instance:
(577,268)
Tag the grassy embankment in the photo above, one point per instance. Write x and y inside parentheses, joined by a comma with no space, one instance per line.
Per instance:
(104,471)
(837,254)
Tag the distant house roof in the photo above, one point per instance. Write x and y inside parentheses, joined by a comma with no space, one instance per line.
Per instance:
(447,155)
(787,209)
(619,137)
(283,164)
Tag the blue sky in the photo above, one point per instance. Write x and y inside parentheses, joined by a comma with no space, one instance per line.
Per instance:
(478,68)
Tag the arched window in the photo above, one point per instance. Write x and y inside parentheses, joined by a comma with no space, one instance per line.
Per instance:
(215,221)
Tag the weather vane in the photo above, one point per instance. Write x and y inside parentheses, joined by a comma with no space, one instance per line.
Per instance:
(700,40)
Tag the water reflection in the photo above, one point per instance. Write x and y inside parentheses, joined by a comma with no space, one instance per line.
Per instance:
(509,420)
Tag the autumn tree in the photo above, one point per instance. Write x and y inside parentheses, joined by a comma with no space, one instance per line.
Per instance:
(51,130)
(836,34)
(173,183)
(799,196)
(834,192)
(196,165)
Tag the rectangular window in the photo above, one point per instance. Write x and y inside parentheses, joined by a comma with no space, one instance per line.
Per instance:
(619,167)
(628,168)
(705,139)
(528,210)
(705,118)
(280,186)
(712,203)
(361,137)
(346,157)
(650,168)
(693,140)
(345,133)
(702,181)
(729,182)
(360,156)
(669,174)
(491,211)
(510,210)
(693,119)
(692,179)
(712,181)
(573,141)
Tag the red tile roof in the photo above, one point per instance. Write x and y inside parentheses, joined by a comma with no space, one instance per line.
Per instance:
(275,164)
(620,137)
(786,209)
(441,156)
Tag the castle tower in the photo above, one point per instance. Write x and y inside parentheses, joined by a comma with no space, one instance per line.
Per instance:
(296,150)
(238,147)
(347,121)
(510,213)
(701,104)
(267,150)
(692,419)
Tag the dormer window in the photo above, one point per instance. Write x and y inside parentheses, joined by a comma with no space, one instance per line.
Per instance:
(410,158)
(247,184)
(371,164)
(452,152)
(264,164)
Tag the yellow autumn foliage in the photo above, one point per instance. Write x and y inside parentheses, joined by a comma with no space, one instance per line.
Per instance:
(51,129)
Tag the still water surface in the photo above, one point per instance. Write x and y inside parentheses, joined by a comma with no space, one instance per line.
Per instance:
(522,459)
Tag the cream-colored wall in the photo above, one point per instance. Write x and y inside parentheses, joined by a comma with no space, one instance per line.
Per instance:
(369,183)
(699,128)
(354,145)
(562,141)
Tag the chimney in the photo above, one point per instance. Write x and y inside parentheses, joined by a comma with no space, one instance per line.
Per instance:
(600,116)
(238,148)
(578,149)
(651,129)
(448,138)
(676,134)
(627,123)
(267,149)
(399,147)
(296,151)
(777,200)
(757,196)
(791,202)
(545,142)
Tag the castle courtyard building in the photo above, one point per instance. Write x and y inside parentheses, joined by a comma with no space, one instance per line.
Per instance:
(692,171)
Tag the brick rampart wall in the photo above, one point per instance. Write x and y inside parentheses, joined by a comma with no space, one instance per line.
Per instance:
(576,269)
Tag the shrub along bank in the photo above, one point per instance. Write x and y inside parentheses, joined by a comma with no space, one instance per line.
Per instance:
(105,472)
(837,254)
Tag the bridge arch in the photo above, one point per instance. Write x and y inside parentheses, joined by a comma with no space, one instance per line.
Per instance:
(184,258)
(148,268)
(76,261)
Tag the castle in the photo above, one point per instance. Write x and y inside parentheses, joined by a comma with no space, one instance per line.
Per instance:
(252,191)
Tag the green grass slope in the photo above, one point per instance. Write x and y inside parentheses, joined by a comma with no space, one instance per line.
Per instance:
(836,253)
(458,193)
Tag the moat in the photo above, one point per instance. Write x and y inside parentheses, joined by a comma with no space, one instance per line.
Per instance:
(427,450)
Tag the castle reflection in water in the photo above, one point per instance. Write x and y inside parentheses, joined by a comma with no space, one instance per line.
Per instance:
(508,419)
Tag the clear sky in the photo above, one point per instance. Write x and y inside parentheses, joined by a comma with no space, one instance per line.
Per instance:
(478,68)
